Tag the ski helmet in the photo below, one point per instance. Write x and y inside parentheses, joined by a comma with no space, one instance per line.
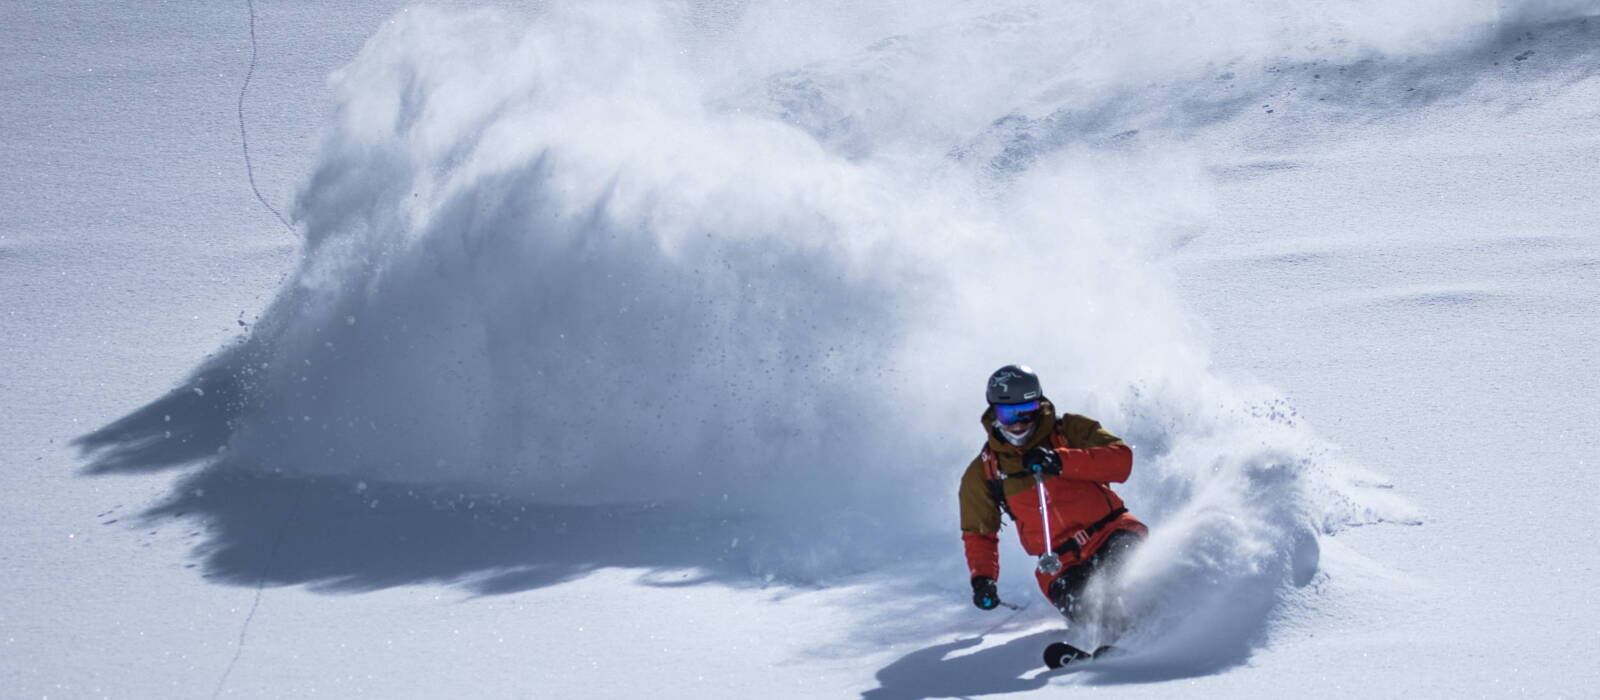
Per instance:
(1014,384)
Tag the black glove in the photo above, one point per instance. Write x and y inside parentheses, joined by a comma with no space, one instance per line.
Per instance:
(1042,460)
(984,593)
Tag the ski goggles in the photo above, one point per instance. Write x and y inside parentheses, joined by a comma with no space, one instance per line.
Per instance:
(1011,413)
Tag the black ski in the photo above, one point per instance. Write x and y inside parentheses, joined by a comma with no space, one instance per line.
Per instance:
(1061,654)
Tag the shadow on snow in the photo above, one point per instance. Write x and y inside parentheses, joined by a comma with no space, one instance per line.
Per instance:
(931,672)
(342,534)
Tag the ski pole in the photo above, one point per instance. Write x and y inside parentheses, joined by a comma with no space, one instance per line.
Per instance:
(1049,563)
(1015,609)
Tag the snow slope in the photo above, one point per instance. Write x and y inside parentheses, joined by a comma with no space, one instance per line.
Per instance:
(625,348)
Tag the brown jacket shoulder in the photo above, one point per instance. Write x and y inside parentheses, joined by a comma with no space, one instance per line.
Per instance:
(1084,432)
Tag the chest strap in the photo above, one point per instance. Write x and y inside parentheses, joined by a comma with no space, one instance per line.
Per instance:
(1081,537)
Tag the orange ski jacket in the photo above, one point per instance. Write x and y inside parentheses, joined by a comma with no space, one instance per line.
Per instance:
(1091,459)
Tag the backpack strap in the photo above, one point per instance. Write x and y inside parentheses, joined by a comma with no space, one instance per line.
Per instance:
(1081,537)
(995,482)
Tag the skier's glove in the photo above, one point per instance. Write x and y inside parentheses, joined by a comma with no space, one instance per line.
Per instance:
(984,593)
(1042,460)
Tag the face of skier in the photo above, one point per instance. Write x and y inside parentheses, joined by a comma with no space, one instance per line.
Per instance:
(1017,420)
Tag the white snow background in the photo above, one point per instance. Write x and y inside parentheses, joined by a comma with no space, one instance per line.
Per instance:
(574,350)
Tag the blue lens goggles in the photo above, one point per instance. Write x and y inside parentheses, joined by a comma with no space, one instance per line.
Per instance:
(1010,413)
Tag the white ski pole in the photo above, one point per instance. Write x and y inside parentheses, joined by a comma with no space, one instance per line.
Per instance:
(1049,562)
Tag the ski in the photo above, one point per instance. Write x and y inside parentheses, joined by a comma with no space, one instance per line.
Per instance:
(1061,654)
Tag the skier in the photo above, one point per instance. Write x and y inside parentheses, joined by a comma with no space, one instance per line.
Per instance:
(1038,462)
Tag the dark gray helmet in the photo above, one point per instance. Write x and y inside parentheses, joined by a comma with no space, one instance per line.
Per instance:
(1014,384)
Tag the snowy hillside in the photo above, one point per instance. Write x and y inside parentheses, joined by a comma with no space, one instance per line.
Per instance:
(575,350)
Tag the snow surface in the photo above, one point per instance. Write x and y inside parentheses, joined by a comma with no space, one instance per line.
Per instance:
(636,348)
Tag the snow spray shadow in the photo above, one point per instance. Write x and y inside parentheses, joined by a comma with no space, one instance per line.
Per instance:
(680,288)
(349,536)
